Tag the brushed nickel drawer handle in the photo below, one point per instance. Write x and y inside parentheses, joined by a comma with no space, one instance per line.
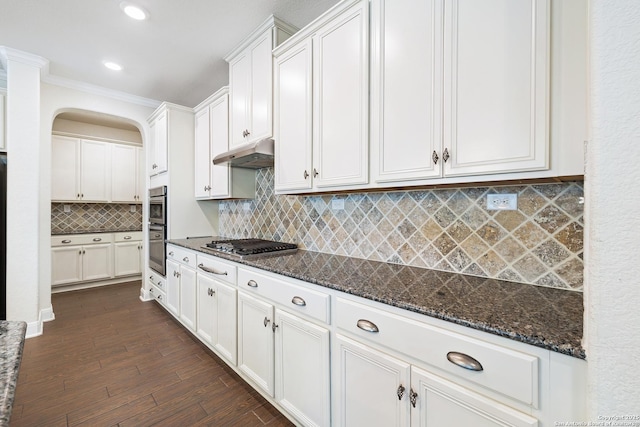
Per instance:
(464,361)
(97,239)
(367,325)
(252,283)
(171,253)
(298,301)
(212,270)
(66,241)
(127,237)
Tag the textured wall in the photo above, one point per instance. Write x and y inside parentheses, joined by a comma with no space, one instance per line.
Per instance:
(612,297)
(94,217)
(450,229)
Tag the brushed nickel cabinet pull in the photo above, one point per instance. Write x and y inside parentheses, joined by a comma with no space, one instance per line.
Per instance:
(273,327)
(315,172)
(266,322)
(400,391)
(435,157)
(306,174)
(252,283)
(127,237)
(171,253)
(211,270)
(464,361)
(97,239)
(66,241)
(185,259)
(367,325)
(445,155)
(298,301)
(413,397)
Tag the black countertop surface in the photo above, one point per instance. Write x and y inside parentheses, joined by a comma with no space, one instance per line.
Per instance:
(540,316)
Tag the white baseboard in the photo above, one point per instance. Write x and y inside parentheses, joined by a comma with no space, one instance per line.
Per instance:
(35,329)
(145,295)
(89,285)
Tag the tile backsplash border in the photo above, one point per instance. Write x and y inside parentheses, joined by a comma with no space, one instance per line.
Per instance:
(449,229)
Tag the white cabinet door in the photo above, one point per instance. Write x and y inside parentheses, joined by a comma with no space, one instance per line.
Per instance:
(202,183)
(368,386)
(225,332)
(124,173)
(406,82)
(188,290)
(66,265)
(302,369)
(141,182)
(2,122)
(341,99)
(95,171)
(496,86)
(219,143)
(173,287)
(65,168)
(293,118)
(255,341)
(240,84)
(441,403)
(261,87)
(97,261)
(159,144)
(126,258)
(206,308)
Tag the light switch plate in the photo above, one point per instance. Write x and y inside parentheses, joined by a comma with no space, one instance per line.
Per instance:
(502,202)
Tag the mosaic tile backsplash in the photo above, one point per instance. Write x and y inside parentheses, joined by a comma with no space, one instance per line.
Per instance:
(449,229)
(94,218)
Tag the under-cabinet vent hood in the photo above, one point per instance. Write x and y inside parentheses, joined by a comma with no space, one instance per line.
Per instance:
(251,156)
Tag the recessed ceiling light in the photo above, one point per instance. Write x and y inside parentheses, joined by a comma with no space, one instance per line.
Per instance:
(133,11)
(112,65)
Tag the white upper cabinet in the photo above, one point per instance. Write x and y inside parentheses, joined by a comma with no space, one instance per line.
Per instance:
(251,82)
(3,140)
(80,170)
(322,103)
(212,138)
(496,61)
(159,143)
(126,185)
(459,88)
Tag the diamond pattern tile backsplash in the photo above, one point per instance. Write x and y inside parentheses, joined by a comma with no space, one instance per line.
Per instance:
(450,229)
(94,218)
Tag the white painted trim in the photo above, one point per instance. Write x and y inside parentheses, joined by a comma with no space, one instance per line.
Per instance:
(270,22)
(220,92)
(168,106)
(145,295)
(7,53)
(47,314)
(34,329)
(98,90)
(89,285)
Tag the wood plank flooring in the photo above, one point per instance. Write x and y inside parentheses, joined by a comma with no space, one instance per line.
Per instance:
(109,359)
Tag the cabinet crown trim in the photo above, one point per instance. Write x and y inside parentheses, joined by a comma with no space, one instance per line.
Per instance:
(217,94)
(270,22)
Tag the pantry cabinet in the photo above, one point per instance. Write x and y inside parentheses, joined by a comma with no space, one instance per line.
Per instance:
(251,82)
(127,176)
(322,103)
(212,138)
(81,170)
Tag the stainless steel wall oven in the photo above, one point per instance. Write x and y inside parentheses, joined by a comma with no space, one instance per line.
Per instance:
(157,228)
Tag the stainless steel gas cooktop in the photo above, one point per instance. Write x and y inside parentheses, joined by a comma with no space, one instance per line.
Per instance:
(251,248)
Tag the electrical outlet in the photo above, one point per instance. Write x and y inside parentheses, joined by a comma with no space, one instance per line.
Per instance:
(67,208)
(337,204)
(502,202)
(132,208)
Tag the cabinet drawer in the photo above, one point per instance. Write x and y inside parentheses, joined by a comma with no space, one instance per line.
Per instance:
(81,239)
(127,236)
(505,371)
(181,255)
(158,295)
(216,268)
(294,298)
(157,281)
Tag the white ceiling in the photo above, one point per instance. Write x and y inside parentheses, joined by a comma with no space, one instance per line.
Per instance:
(176,55)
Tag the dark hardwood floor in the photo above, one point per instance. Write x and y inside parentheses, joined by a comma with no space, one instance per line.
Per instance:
(109,359)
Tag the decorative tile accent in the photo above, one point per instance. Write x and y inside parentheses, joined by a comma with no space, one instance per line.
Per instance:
(94,218)
(447,229)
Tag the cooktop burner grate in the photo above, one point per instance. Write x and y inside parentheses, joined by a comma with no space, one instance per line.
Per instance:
(250,247)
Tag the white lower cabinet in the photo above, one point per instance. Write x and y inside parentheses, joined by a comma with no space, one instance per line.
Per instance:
(81,258)
(181,293)
(217,312)
(173,287)
(127,253)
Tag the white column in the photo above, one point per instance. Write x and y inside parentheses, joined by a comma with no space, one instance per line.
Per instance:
(612,211)
(23,211)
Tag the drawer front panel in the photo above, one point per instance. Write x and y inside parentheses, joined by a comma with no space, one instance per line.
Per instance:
(181,256)
(505,371)
(81,239)
(294,298)
(217,269)
(158,295)
(127,236)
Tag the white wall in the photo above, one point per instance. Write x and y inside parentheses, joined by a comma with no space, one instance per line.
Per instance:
(612,211)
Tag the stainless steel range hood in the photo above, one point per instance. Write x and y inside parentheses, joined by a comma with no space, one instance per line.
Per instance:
(251,156)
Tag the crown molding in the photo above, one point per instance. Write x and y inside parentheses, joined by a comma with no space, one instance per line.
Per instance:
(10,54)
(99,90)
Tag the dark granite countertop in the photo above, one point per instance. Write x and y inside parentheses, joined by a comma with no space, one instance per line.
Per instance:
(11,345)
(540,316)
(94,231)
